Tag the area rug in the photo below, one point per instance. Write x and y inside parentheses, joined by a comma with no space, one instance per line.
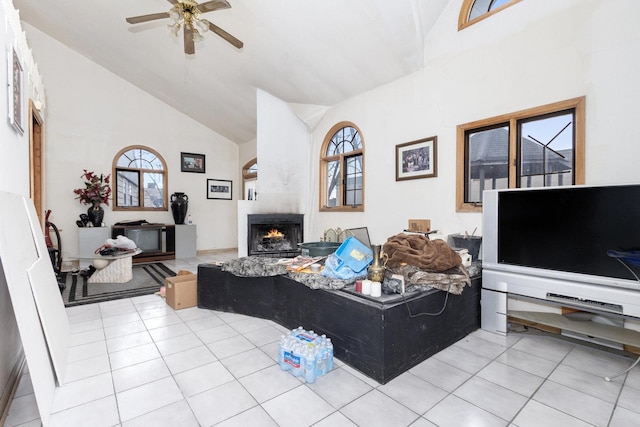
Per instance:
(147,279)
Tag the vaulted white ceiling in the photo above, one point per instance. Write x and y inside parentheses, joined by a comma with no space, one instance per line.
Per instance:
(316,52)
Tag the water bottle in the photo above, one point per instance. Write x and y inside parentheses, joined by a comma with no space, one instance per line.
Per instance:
(329,355)
(309,368)
(322,360)
(296,359)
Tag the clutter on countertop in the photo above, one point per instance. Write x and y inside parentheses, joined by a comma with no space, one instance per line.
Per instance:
(415,263)
(419,251)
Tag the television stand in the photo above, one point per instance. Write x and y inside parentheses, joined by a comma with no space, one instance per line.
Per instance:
(168,247)
(556,323)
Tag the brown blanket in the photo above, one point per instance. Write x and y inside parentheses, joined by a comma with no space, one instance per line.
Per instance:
(419,251)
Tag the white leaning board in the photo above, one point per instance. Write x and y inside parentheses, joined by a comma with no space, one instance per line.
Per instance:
(37,304)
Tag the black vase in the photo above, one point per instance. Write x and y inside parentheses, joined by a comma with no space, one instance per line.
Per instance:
(179,205)
(96,214)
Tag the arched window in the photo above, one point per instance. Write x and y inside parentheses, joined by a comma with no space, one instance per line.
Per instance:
(141,179)
(473,11)
(249,179)
(342,169)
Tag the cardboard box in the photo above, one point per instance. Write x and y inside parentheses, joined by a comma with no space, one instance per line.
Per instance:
(420,225)
(182,291)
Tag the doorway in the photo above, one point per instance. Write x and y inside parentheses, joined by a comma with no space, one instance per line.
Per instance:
(36,160)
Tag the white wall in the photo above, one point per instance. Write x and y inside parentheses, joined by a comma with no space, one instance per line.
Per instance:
(93,114)
(283,154)
(14,174)
(530,54)
(247,151)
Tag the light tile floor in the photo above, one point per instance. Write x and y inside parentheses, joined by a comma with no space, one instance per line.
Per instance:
(137,362)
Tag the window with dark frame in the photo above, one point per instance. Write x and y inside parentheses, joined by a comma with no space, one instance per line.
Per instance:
(486,160)
(341,169)
(140,180)
(540,147)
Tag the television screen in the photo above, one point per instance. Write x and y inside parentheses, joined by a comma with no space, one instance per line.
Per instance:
(149,240)
(570,228)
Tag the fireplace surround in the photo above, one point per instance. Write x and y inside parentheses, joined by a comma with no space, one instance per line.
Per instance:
(274,235)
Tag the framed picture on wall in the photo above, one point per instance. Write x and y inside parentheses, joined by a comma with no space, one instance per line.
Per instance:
(15,90)
(190,162)
(219,189)
(417,159)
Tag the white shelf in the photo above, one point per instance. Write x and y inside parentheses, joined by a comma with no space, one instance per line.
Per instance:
(186,236)
(90,239)
(585,327)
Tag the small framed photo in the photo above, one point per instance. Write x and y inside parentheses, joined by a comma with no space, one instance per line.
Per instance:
(15,78)
(219,189)
(190,162)
(417,159)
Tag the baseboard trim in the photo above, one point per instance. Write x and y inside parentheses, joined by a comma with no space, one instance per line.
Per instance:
(11,387)
(215,251)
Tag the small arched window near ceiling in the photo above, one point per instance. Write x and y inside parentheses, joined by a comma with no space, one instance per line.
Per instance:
(249,179)
(140,180)
(342,169)
(473,11)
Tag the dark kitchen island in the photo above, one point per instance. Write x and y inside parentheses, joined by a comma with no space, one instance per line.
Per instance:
(380,337)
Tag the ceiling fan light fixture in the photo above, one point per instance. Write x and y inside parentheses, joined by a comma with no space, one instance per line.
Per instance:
(203,25)
(174,28)
(175,15)
(197,37)
(185,14)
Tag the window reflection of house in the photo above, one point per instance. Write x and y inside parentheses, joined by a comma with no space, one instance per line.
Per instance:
(153,195)
(128,190)
(489,163)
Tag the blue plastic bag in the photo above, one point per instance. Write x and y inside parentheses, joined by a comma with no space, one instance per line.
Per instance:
(349,261)
(353,253)
(334,269)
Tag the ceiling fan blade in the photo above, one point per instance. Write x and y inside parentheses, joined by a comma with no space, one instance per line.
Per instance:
(189,45)
(222,33)
(210,6)
(173,2)
(145,18)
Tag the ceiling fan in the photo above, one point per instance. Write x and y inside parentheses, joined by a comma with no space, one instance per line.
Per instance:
(186,14)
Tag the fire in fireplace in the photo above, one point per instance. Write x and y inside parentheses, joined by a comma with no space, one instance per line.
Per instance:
(274,235)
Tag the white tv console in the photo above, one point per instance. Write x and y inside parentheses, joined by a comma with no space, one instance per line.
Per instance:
(615,302)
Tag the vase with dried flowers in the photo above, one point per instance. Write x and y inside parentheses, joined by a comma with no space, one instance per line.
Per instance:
(95,192)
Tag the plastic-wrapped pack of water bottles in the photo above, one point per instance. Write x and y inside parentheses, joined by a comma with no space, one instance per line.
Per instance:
(306,354)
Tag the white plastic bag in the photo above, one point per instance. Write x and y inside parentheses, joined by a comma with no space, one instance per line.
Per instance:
(121,242)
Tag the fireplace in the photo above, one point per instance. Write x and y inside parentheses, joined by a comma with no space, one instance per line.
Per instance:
(274,235)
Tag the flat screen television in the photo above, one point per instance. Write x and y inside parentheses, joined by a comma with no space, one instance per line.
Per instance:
(563,233)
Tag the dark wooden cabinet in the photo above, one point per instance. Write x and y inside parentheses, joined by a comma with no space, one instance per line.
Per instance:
(381,339)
